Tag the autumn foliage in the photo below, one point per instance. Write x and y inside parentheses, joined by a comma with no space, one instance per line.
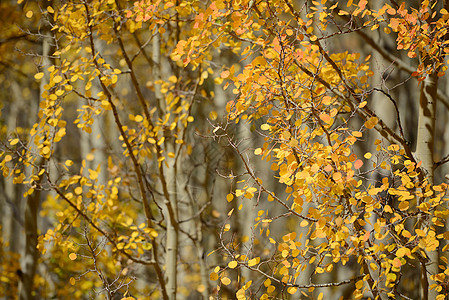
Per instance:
(121,196)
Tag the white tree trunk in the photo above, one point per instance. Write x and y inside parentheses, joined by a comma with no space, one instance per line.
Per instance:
(424,152)
(171,201)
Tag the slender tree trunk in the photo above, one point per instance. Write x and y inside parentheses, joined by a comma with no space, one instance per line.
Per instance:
(424,153)
(30,252)
(14,203)
(386,110)
(172,234)
(171,201)
(247,214)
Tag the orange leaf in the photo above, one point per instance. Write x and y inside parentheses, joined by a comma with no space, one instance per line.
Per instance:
(336,176)
(391,11)
(358,164)
(225,74)
(371,122)
(325,118)
(396,263)
(394,23)
(328,168)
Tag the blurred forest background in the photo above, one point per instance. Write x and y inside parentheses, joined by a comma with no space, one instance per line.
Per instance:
(133,154)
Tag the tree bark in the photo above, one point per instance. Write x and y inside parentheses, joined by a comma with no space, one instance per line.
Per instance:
(14,205)
(424,153)
(30,252)
(171,203)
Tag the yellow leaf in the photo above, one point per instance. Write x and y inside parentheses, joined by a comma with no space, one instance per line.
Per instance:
(213,115)
(72,256)
(13,142)
(225,280)
(265,127)
(247,285)
(249,195)
(238,193)
(404,205)
(420,232)
(402,252)
(258,151)
(391,277)
(50,9)
(78,190)
(45,150)
(374,191)
(93,174)
(229,197)
(57,79)
(253,262)
(39,76)
(232,264)
(72,281)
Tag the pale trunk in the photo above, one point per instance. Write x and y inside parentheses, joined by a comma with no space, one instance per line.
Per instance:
(247,214)
(424,153)
(221,186)
(172,232)
(171,203)
(386,110)
(30,252)
(13,207)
